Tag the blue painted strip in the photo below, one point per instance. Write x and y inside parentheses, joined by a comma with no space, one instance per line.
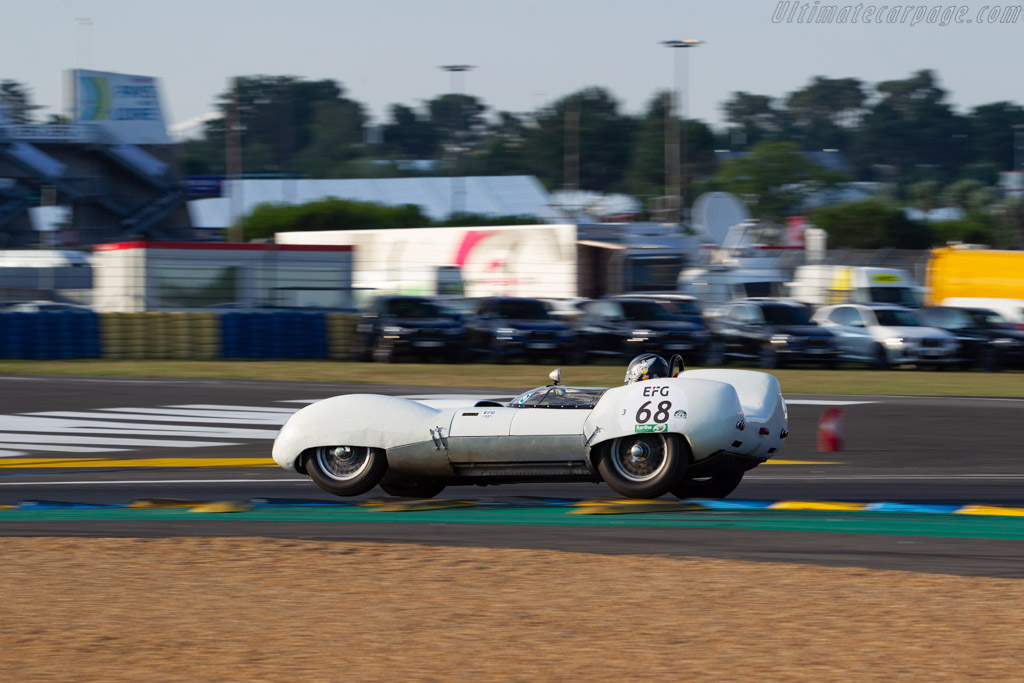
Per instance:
(62,505)
(719,504)
(301,503)
(912,507)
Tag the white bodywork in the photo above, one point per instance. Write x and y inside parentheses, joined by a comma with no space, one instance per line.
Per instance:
(716,411)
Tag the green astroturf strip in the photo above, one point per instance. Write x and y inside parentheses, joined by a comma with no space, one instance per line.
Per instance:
(952,526)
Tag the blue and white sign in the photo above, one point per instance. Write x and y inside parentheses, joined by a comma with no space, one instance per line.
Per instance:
(126,106)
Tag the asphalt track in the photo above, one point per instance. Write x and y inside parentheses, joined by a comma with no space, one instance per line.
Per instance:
(114,441)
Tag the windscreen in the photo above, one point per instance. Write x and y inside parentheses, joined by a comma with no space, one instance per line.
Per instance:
(892,317)
(413,308)
(522,309)
(902,296)
(644,310)
(786,315)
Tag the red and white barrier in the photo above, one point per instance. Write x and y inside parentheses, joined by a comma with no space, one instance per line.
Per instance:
(831,427)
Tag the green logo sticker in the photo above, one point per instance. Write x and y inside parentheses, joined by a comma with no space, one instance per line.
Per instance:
(649,429)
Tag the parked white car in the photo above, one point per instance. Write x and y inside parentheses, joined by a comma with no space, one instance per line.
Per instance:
(884,335)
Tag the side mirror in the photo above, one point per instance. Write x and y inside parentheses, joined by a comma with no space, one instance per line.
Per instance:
(555,376)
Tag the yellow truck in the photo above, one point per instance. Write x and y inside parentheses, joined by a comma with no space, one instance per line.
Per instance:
(960,272)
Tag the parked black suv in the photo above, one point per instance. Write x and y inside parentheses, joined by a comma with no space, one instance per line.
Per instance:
(987,340)
(772,332)
(503,328)
(399,325)
(623,328)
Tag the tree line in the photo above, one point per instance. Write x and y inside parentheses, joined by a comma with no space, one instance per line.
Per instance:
(902,133)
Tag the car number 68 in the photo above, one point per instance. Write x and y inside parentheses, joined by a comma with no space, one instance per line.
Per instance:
(660,415)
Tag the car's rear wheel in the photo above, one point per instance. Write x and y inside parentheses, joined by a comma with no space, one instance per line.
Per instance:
(715,354)
(716,486)
(988,359)
(881,358)
(643,465)
(411,488)
(384,351)
(346,470)
(769,357)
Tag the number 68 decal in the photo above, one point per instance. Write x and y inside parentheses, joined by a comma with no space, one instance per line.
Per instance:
(660,414)
(653,407)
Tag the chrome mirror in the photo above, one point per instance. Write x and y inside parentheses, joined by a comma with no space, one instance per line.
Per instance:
(555,376)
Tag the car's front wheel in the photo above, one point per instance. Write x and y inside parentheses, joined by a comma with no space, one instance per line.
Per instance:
(715,486)
(346,470)
(643,465)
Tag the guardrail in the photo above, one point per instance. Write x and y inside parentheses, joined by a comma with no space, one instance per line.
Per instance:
(175,335)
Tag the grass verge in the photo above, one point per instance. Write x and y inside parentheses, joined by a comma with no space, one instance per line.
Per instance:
(796,381)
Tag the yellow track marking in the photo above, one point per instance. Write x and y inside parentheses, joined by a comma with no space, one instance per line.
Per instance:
(134,462)
(990,510)
(225,506)
(816,505)
(802,462)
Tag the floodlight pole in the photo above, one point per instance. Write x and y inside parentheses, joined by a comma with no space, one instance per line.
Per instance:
(675,181)
(458,183)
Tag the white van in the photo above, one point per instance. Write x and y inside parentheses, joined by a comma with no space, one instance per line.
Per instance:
(823,285)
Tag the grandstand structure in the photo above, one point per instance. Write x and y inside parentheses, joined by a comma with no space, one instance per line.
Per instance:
(113,166)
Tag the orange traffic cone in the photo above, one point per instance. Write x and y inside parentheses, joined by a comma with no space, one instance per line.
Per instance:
(830,430)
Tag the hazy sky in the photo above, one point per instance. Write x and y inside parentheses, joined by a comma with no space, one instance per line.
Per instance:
(528,53)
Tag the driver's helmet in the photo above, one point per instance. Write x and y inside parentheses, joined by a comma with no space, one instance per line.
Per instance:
(646,366)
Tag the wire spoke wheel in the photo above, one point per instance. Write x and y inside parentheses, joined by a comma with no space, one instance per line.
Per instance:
(639,458)
(342,463)
(643,465)
(346,470)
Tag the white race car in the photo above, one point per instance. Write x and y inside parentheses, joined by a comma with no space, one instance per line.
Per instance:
(692,434)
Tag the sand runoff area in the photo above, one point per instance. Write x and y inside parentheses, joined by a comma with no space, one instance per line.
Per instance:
(234,609)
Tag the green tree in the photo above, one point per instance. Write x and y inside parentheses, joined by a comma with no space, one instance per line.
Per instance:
(992,133)
(824,112)
(775,178)
(645,175)
(279,117)
(753,119)
(329,214)
(912,127)
(409,135)
(604,139)
(16,102)
(871,224)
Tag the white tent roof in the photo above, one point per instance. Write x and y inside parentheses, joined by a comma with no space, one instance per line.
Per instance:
(486,195)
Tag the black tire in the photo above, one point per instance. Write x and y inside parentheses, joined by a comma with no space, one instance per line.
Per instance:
(384,351)
(715,486)
(360,349)
(346,470)
(411,488)
(656,465)
(768,359)
(881,358)
(574,357)
(714,356)
(988,360)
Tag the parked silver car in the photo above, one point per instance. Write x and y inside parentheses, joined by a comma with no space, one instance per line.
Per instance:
(886,334)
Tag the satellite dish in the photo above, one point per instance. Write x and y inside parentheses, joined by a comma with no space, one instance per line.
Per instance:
(715,212)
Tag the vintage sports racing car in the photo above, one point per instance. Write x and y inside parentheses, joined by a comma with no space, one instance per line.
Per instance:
(692,434)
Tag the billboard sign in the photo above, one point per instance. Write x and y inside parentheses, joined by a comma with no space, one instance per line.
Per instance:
(126,106)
